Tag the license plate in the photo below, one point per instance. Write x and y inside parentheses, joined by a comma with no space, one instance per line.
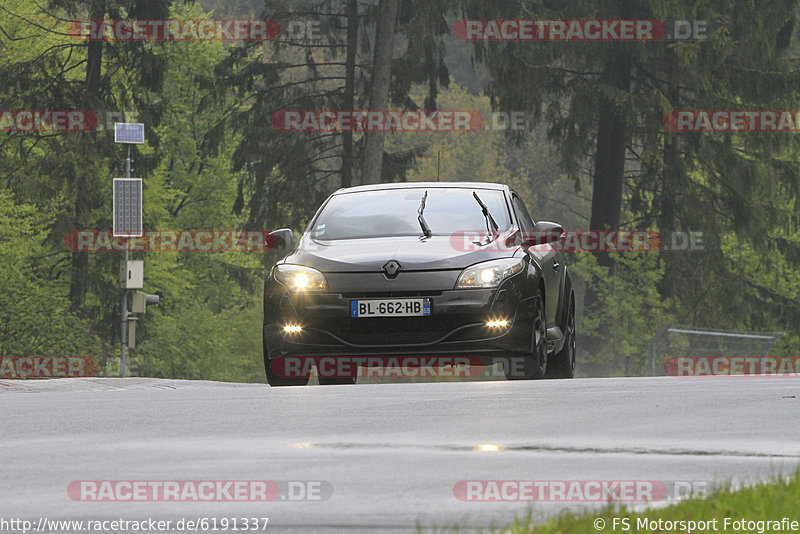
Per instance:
(390,308)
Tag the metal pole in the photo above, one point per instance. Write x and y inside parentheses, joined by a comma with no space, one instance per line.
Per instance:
(651,348)
(124,305)
(124,310)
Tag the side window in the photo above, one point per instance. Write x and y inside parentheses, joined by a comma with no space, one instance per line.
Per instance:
(525,221)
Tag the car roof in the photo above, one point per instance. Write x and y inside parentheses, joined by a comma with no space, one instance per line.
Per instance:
(408,185)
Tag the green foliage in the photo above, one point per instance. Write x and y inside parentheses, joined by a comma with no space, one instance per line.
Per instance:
(210,305)
(34,312)
(739,189)
(628,312)
(188,184)
(765,501)
(484,155)
(214,161)
(191,340)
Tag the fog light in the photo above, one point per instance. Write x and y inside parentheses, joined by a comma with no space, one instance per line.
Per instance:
(497,323)
(292,329)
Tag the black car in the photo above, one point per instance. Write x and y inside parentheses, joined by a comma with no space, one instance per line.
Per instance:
(421,268)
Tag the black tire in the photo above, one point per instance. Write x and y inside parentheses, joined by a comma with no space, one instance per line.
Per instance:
(338,381)
(275,380)
(562,365)
(534,364)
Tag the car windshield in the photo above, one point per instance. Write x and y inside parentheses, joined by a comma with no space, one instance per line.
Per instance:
(386,213)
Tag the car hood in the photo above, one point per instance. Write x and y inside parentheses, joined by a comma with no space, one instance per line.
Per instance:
(413,253)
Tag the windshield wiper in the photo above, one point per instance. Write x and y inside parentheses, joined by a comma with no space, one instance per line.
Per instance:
(425,228)
(489,219)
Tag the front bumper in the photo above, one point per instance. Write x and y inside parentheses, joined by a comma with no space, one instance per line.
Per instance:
(456,326)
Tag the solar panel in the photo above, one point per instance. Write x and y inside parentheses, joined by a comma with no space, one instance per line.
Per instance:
(129,132)
(128,207)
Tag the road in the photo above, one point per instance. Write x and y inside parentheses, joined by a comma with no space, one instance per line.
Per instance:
(384,457)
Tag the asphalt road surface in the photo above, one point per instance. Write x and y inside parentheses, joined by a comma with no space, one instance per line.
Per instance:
(382,457)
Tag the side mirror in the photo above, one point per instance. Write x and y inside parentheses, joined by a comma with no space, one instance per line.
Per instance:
(282,239)
(543,232)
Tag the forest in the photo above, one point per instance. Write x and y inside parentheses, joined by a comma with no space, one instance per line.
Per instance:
(589,132)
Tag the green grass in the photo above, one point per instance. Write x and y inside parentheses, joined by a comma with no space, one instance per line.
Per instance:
(771,501)
(767,501)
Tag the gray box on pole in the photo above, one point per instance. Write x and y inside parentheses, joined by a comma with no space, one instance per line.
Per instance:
(131,275)
(132,332)
(138,302)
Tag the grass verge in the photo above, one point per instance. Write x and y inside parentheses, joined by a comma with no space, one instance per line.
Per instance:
(763,508)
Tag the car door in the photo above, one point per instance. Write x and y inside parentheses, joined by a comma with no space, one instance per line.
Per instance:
(546,256)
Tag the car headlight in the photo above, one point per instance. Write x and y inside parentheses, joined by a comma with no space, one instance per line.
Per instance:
(300,278)
(489,273)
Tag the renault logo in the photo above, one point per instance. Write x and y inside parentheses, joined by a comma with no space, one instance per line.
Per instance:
(391,268)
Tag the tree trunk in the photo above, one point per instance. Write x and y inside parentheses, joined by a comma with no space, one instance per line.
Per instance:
(80,260)
(379,92)
(609,167)
(613,134)
(669,200)
(351,12)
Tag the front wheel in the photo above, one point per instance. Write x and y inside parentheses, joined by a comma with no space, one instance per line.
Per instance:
(563,363)
(532,364)
(339,380)
(278,378)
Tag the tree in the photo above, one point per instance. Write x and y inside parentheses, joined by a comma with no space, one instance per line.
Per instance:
(379,90)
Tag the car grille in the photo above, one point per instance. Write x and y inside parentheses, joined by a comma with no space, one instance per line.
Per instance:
(400,330)
(390,294)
